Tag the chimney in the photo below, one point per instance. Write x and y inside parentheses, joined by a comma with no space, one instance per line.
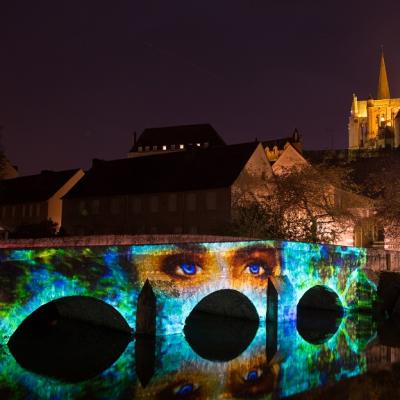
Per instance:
(134,138)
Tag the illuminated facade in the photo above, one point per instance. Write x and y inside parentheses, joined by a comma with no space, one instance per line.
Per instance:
(181,275)
(375,123)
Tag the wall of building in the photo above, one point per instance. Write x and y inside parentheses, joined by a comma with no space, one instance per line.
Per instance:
(14,215)
(55,203)
(254,179)
(202,211)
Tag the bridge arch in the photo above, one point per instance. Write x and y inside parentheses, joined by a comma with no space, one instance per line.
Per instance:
(82,308)
(65,333)
(228,303)
(319,314)
(222,325)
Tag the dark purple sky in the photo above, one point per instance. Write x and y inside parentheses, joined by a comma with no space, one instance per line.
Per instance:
(78,77)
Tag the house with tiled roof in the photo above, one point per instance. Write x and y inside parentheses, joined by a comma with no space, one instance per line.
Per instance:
(178,192)
(32,199)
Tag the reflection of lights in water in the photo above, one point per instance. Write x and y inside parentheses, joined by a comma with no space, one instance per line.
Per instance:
(185,389)
(182,373)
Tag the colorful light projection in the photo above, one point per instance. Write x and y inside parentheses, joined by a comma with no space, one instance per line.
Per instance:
(181,275)
(291,367)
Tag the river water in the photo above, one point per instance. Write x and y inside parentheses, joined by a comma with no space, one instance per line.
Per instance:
(321,356)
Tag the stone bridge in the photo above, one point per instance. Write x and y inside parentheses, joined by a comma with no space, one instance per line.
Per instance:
(155,287)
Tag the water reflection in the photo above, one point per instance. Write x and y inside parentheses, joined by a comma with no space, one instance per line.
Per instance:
(275,362)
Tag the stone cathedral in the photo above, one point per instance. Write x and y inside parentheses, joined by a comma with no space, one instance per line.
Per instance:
(375,123)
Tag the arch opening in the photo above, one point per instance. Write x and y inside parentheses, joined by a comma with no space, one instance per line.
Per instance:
(319,314)
(222,325)
(52,341)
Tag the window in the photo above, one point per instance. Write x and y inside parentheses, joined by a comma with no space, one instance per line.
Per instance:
(82,208)
(140,148)
(206,144)
(114,206)
(198,144)
(95,206)
(38,210)
(193,230)
(211,200)
(13,211)
(172,147)
(172,202)
(23,210)
(191,201)
(147,148)
(177,229)
(136,205)
(153,204)
(154,147)
(30,210)
(181,146)
(164,147)
(3,211)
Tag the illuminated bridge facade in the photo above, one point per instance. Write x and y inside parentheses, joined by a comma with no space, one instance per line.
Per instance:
(165,282)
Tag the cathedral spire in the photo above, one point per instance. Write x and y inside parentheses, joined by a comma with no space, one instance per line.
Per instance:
(383,83)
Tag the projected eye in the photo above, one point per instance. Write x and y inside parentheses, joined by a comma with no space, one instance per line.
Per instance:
(182,266)
(185,389)
(257,268)
(189,268)
(253,375)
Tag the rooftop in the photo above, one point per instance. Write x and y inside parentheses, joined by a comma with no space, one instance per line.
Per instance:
(214,167)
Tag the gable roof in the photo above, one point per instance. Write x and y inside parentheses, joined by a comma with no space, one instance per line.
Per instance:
(280,143)
(214,167)
(34,188)
(183,134)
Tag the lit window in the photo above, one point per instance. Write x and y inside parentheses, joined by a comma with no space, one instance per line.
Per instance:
(164,147)
(191,202)
(181,146)
(140,148)
(198,144)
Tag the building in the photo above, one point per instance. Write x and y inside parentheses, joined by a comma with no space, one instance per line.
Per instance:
(175,138)
(32,199)
(179,192)
(274,148)
(375,123)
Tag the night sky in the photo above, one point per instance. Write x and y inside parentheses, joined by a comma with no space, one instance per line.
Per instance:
(78,77)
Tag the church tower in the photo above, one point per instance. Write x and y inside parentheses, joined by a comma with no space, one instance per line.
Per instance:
(375,123)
